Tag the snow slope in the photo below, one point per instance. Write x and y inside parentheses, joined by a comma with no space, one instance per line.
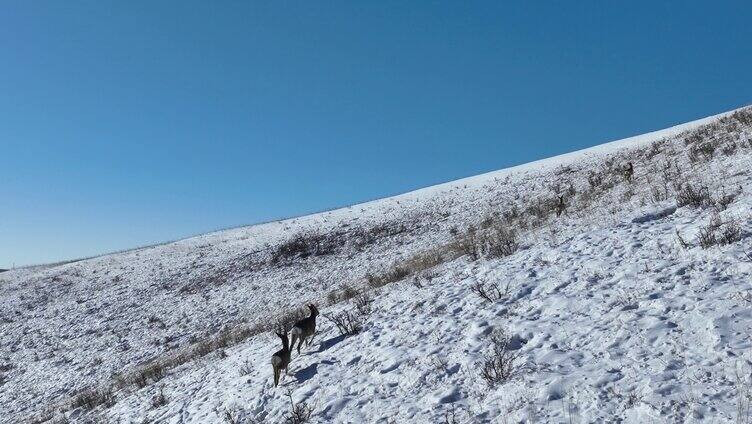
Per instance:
(613,318)
(610,326)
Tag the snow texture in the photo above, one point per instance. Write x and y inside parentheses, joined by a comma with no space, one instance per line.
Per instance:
(614,310)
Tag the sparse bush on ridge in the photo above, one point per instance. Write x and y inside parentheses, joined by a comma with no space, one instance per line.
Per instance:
(311,243)
(655,149)
(237,415)
(332,297)
(731,233)
(440,363)
(671,173)
(502,363)
(729,149)
(490,292)
(151,373)
(658,194)
(725,199)
(701,151)
(501,242)
(453,415)
(418,263)
(346,292)
(695,196)
(305,244)
(363,303)
(537,211)
(495,241)
(707,236)
(90,399)
(717,232)
(595,179)
(348,323)
(470,244)
(300,413)
(395,274)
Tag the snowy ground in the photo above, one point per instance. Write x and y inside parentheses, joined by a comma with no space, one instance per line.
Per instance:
(617,322)
(613,318)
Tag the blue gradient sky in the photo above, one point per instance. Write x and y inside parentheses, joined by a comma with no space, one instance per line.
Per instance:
(126,123)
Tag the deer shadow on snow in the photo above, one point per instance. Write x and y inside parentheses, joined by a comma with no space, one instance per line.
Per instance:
(306,373)
(329,343)
(310,371)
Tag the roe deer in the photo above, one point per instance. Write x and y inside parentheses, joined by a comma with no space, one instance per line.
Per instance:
(560,207)
(305,329)
(629,172)
(281,359)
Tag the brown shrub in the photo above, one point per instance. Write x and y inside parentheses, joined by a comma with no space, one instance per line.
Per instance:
(696,196)
(90,399)
(717,232)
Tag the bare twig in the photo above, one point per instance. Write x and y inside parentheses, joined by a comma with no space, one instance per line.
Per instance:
(490,292)
(348,323)
(300,413)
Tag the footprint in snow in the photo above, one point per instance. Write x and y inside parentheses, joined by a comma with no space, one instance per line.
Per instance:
(391,367)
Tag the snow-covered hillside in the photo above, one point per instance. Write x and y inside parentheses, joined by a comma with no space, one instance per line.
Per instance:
(613,310)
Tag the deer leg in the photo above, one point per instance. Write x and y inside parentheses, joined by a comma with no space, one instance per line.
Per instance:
(293,340)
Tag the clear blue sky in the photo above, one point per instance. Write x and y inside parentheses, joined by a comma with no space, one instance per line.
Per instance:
(132,122)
